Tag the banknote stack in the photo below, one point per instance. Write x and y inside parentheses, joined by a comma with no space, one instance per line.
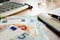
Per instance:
(23,27)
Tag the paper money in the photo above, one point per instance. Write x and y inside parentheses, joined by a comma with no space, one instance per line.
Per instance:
(14,33)
(3,27)
(24,22)
(24,36)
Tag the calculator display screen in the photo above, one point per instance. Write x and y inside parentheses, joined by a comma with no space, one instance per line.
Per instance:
(1,1)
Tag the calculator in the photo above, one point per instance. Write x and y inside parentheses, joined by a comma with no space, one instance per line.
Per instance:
(9,8)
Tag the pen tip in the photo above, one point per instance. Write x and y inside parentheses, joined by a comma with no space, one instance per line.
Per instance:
(49,14)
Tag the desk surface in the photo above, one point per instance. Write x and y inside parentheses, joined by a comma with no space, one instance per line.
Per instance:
(35,11)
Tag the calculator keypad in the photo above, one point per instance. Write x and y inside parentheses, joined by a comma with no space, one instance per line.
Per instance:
(8,6)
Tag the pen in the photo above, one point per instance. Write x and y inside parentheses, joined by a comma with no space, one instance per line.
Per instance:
(55,16)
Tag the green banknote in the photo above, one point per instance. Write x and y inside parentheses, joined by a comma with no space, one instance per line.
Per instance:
(35,27)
